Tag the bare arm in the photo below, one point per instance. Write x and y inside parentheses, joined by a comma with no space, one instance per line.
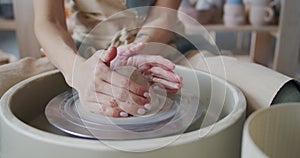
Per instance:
(52,33)
(159,17)
(156,68)
(92,78)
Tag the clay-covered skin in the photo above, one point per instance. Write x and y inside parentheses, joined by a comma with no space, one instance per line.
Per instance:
(149,71)
(131,104)
(157,95)
(116,95)
(99,86)
(154,67)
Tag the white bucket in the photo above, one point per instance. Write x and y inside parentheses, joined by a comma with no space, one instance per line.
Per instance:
(273,132)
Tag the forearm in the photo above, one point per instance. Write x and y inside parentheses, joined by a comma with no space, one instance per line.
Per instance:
(151,35)
(160,23)
(58,46)
(51,32)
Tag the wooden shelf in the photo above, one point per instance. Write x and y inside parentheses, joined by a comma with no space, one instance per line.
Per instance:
(7,24)
(192,28)
(242,28)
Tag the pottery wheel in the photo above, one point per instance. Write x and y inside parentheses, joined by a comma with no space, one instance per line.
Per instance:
(170,114)
(64,112)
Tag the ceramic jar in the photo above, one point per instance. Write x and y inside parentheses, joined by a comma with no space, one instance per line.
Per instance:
(234,13)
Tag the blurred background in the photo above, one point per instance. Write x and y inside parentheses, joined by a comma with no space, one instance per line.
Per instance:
(259,44)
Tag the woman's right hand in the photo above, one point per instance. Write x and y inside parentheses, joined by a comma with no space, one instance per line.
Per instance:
(154,67)
(105,91)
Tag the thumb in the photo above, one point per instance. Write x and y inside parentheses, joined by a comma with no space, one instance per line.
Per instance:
(108,55)
(136,47)
(131,49)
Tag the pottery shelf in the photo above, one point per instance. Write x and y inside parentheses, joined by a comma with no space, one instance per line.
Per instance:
(7,24)
(285,57)
(193,28)
(261,41)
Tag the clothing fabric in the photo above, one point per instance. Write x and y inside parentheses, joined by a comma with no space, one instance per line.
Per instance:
(97,21)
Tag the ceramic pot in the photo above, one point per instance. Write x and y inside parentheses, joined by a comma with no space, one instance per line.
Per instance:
(234,15)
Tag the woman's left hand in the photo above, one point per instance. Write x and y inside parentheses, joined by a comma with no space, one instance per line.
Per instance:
(154,67)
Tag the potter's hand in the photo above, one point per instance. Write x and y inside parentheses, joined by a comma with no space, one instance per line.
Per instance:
(105,91)
(156,68)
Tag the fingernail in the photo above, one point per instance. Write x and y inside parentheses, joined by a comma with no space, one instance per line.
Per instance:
(146,94)
(147,106)
(141,111)
(123,114)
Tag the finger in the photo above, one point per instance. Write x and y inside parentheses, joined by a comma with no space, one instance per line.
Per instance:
(164,74)
(118,93)
(153,60)
(117,80)
(131,49)
(132,108)
(171,90)
(92,107)
(113,112)
(167,84)
(121,81)
(104,109)
(136,47)
(102,99)
(107,55)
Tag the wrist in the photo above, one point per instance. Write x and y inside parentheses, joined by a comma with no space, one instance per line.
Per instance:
(71,68)
(142,38)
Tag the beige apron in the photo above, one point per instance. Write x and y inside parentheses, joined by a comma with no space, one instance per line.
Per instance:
(94,24)
(100,23)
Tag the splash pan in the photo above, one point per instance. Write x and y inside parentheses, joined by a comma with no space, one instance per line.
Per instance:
(65,113)
(25,131)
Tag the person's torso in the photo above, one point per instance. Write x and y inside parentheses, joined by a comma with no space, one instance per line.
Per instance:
(99,20)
